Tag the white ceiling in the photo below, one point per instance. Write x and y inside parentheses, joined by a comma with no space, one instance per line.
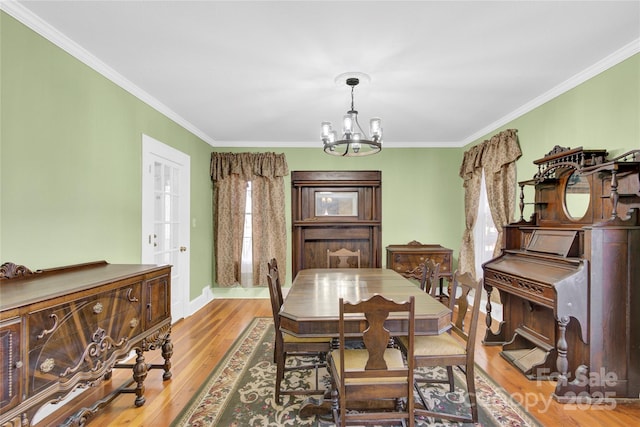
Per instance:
(261,73)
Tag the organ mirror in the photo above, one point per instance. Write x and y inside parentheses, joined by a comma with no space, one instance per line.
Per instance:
(576,196)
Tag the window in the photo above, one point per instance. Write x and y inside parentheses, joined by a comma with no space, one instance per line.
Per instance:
(484,232)
(246,265)
(485,236)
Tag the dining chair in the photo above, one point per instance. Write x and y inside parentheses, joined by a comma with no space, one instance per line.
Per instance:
(343,256)
(272,268)
(376,374)
(288,345)
(454,348)
(430,277)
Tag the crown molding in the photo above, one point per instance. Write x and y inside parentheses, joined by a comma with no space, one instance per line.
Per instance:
(615,58)
(34,22)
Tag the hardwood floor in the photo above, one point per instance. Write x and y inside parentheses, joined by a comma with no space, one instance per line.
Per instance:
(201,340)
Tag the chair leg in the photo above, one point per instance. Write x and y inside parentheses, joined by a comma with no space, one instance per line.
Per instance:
(450,376)
(471,388)
(335,407)
(280,358)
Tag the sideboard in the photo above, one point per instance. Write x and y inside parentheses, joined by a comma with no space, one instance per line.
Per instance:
(69,327)
(404,259)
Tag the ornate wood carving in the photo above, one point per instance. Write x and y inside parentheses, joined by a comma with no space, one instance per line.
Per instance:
(9,270)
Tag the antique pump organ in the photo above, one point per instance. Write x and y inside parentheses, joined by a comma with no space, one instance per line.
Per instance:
(569,278)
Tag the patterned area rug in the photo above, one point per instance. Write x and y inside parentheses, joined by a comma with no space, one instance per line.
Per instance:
(239,392)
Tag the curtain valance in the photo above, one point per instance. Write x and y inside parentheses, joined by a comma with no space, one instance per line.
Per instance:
(248,165)
(497,158)
(492,155)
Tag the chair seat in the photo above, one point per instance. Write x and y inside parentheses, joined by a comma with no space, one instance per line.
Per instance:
(288,338)
(355,360)
(436,345)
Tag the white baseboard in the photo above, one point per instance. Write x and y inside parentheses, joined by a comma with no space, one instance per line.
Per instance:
(205,298)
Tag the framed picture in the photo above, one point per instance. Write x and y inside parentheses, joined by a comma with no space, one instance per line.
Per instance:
(336,203)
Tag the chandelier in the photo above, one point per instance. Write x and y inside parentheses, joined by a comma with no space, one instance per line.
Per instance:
(354,141)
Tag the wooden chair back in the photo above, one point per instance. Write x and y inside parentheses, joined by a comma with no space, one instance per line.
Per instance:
(343,256)
(376,380)
(464,320)
(273,271)
(275,295)
(430,277)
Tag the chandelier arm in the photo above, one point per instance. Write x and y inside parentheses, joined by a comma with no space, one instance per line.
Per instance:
(360,127)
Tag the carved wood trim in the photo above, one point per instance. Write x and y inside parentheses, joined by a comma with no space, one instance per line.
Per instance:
(9,270)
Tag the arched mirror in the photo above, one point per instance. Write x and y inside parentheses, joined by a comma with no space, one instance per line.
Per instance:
(576,196)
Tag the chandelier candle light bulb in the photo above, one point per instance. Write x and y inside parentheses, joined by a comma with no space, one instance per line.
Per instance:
(354,141)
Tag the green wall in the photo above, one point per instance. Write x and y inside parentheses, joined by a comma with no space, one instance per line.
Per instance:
(70,158)
(71,154)
(603,112)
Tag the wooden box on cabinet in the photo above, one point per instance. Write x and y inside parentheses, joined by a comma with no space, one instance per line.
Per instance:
(70,326)
(405,258)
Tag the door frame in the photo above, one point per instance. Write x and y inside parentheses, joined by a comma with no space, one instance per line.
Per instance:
(151,150)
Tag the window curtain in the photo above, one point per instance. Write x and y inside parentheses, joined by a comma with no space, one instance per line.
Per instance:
(230,173)
(497,159)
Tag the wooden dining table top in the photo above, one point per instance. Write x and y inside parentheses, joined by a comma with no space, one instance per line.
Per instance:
(311,308)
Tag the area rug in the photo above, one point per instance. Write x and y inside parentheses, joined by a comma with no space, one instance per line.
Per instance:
(239,392)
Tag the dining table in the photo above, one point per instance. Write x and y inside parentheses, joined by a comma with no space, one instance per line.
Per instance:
(311,309)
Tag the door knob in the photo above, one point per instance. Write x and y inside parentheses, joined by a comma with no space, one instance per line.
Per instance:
(183,248)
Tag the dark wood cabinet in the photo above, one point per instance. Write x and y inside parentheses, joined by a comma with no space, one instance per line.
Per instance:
(333,210)
(70,326)
(404,259)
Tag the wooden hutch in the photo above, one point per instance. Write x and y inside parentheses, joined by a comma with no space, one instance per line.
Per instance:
(333,210)
(569,278)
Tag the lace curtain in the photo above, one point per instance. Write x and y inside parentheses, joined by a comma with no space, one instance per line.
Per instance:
(230,173)
(497,158)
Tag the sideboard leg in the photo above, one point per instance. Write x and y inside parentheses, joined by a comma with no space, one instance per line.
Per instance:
(167,352)
(139,375)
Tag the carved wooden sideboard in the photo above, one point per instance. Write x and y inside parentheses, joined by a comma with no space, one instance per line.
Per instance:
(405,259)
(67,327)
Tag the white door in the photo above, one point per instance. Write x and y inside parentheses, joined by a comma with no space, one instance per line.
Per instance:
(166,216)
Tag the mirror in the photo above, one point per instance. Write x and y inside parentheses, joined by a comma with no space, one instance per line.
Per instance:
(336,203)
(576,196)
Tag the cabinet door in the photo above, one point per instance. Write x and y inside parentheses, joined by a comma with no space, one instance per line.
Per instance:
(10,364)
(158,299)
(81,339)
